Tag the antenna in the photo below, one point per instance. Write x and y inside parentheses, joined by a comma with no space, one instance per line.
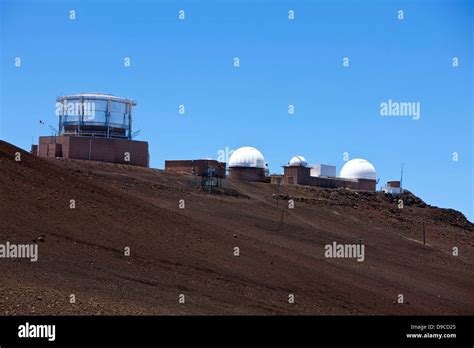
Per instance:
(134,134)
(401,178)
(53,129)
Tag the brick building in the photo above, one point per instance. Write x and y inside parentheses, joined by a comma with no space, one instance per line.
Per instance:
(196,167)
(114,150)
(299,175)
(357,174)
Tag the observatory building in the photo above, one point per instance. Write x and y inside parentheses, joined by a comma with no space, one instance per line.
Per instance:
(247,164)
(198,167)
(357,174)
(297,161)
(362,171)
(97,127)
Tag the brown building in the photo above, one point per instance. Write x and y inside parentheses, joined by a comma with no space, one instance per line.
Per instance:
(34,150)
(196,167)
(299,175)
(114,150)
(247,174)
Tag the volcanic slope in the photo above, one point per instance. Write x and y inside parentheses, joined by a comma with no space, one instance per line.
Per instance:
(183,240)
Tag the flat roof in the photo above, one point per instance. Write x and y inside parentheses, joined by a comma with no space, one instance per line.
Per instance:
(96,95)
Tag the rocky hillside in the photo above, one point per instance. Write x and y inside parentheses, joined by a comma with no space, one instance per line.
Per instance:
(184,241)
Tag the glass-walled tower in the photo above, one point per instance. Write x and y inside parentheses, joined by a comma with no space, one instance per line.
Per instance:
(95,114)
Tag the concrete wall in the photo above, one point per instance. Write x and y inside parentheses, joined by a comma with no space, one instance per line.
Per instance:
(199,166)
(367,184)
(247,174)
(302,176)
(277,179)
(95,149)
(297,175)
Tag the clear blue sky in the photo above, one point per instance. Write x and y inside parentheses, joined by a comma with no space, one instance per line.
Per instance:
(283,62)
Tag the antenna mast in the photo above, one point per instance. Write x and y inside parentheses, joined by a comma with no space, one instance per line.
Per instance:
(401,178)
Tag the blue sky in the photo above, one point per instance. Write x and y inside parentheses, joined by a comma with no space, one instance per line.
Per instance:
(282,62)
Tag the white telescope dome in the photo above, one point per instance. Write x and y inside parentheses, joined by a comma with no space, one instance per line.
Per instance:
(248,157)
(358,168)
(297,161)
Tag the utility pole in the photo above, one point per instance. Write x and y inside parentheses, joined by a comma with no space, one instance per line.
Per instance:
(281,219)
(424,234)
(278,190)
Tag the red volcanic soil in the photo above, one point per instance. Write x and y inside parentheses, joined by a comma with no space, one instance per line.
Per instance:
(190,251)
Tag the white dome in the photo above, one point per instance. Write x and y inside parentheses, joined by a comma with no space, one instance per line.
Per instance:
(248,157)
(297,161)
(358,169)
